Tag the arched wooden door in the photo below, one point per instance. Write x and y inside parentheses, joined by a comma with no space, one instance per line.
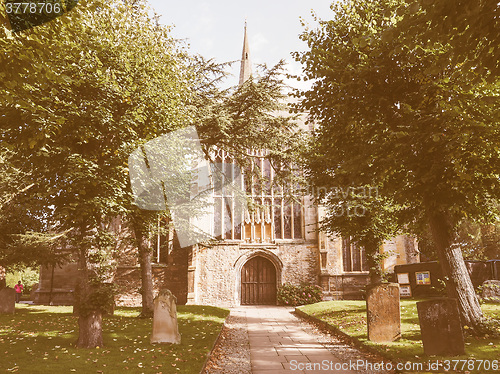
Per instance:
(258,282)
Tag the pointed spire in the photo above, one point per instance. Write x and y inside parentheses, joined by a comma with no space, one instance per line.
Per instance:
(246,65)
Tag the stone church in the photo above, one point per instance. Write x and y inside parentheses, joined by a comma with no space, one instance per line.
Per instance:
(277,244)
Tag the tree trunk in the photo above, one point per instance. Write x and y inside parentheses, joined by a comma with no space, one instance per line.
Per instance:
(90,330)
(374,261)
(146,273)
(3,278)
(458,282)
(89,322)
(146,282)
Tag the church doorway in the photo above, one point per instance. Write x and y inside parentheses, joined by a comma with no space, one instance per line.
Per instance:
(258,282)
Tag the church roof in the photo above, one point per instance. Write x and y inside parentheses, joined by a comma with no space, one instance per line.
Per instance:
(246,65)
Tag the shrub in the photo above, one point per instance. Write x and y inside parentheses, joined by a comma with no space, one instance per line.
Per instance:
(291,295)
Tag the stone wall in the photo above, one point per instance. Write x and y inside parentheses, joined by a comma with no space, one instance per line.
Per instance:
(218,269)
(344,286)
(173,276)
(57,284)
(128,283)
(58,288)
(401,250)
(300,263)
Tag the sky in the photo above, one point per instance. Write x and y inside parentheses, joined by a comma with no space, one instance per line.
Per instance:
(215,28)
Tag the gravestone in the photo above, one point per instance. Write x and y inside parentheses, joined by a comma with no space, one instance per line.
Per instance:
(165,327)
(383,313)
(7,300)
(490,290)
(440,327)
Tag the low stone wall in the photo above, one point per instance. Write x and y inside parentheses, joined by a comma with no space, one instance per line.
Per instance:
(57,296)
(344,286)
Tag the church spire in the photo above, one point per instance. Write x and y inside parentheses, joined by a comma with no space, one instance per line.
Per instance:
(246,65)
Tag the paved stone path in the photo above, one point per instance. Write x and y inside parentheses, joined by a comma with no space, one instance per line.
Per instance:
(279,344)
(270,339)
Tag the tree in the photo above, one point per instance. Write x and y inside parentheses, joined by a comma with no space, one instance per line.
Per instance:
(25,240)
(233,120)
(254,115)
(354,212)
(389,116)
(471,30)
(73,117)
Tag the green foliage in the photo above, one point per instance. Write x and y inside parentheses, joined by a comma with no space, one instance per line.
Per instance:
(28,16)
(101,105)
(94,297)
(104,88)
(389,116)
(471,30)
(291,295)
(477,241)
(253,116)
(32,249)
(488,293)
(27,276)
(21,213)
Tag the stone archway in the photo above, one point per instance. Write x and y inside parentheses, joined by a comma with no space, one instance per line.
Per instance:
(258,274)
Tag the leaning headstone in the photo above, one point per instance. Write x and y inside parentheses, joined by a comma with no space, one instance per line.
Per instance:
(7,300)
(165,327)
(440,327)
(383,312)
(490,291)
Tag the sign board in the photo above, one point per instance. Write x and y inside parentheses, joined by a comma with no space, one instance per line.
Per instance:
(405,291)
(423,278)
(403,278)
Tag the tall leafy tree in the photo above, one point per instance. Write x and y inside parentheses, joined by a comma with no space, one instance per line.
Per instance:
(72,117)
(391,114)
(470,28)
(112,80)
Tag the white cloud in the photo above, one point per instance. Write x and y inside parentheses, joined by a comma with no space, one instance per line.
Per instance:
(203,18)
(257,42)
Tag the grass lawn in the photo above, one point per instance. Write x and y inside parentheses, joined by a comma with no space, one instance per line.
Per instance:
(40,339)
(350,317)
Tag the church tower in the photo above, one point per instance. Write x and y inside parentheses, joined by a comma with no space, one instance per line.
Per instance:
(246,65)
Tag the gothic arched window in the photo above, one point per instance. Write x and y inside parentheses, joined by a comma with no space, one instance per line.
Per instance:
(269,217)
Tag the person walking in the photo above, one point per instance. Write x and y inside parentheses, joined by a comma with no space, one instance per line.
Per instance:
(19,291)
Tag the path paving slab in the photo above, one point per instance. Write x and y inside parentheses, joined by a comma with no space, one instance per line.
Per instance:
(278,343)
